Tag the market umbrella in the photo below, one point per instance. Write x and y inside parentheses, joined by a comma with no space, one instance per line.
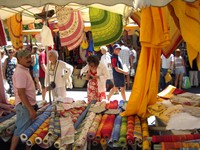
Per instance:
(154,35)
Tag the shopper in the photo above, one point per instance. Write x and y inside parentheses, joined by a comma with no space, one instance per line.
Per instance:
(25,98)
(118,73)
(96,74)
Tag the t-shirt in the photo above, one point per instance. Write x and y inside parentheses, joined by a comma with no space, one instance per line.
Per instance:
(22,79)
(42,60)
(166,61)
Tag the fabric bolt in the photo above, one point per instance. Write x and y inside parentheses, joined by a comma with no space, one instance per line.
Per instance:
(82,139)
(108,127)
(4,125)
(94,127)
(174,138)
(145,134)
(4,118)
(106,27)
(35,125)
(31,140)
(82,116)
(123,129)
(41,135)
(138,131)
(113,104)
(154,35)
(14,24)
(98,133)
(178,145)
(130,130)
(2,34)
(121,104)
(10,129)
(116,130)
(71,27)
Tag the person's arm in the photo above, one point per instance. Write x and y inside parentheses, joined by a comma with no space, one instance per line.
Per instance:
(24,100)
(33,60)
(114,65)
(43,66)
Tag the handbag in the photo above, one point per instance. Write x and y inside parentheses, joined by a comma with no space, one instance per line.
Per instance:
(168,77)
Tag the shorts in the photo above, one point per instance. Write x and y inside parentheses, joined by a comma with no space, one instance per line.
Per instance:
(23,120)
(35,73)
(119,81)
(42,82)
(179,70)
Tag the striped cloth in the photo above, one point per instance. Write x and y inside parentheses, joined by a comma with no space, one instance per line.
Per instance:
(138,131)
(107,127)
(106,27)
(145,134)
(178,145)
(130,129)
(14,24)
(71,27)
(122,138)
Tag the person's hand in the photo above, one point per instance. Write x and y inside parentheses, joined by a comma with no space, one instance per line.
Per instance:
(33,114)
(126,73)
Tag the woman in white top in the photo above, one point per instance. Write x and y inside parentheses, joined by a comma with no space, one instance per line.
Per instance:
(179,67)
(96,74)
(59,73)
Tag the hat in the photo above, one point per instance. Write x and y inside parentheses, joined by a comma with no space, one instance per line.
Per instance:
(104,48)
(177,50)
(116,46)
(23,53)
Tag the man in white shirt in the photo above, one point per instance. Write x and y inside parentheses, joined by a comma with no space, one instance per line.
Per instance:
(166,65)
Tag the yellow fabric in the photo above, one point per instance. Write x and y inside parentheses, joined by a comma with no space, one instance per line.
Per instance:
(188,15)
(168,77)
(154,36)
(14,24)
(167,92)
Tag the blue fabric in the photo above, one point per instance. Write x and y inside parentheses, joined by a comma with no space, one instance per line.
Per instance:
(3,118)
(82,116)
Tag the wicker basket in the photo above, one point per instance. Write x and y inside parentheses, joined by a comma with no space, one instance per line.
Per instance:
(79,82)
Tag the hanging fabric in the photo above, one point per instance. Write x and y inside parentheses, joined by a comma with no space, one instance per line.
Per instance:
(14,24)
(2,35)
(71,27)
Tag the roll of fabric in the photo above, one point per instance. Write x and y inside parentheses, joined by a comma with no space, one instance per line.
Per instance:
(3,118)
(57,144)
(145,134)
(52,120)
(94,127)
(113,104)
(174,138)
(138,131)
(121,103)
(4,125)
(178,145)
(82,116)
(36,124)
(107,127)
(130,130)
(103,143)
(98,134)
(82,139)
(116,130)
(123,130)
(40,137)
(31,140)
(10,129)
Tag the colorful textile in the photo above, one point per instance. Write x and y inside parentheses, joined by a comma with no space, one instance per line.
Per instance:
(36,124)
(71,27)
(2,35)
(130,130)
(98,134)
(31,140)
(4,118)
(145,134)
(123,130)
(14,24)
(154,36)
(94,127)
(2,89)
(4,125)
(174,138)
(116,130)
(138,131)
(178,145)
(106,27)
(107,127)
(82,116)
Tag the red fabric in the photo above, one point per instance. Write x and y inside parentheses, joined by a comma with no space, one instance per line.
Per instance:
(175,138)
(42,60)
(114,62)
(178,91)
(98,133)
(178,145)
(2,35)
(108,126)
(130,130)
(113,104)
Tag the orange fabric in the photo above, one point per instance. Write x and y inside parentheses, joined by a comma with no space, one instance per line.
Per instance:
(154,35)
(14,24)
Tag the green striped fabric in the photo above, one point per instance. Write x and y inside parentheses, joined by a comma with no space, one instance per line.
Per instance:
(106,27)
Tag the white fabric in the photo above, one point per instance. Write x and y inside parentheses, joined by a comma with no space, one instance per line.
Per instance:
(183,121)
(167,61)
(46,36)
(134,53)
(106,60)
(102,72)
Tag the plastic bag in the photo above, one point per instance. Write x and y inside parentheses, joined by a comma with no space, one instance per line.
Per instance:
(168,77)
(132,72)
(6,85)
(186,83)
